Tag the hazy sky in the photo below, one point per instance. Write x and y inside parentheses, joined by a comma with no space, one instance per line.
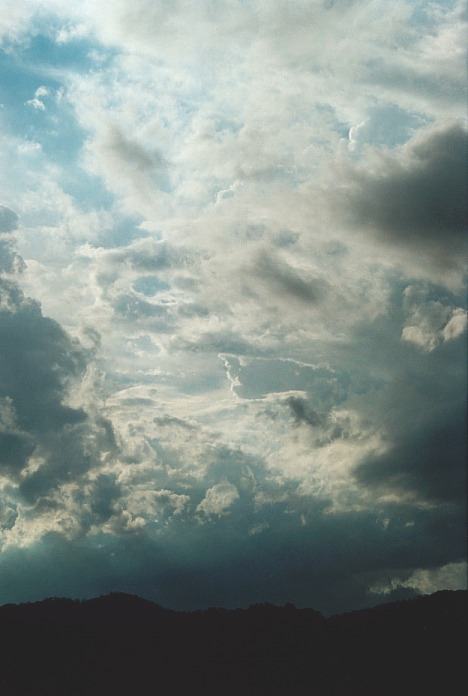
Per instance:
(232,324)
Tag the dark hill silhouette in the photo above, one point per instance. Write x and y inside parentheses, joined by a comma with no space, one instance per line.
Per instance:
(122,644)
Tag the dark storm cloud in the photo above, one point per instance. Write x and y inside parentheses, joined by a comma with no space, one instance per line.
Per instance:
(37,359)
(419,409)
(15,450)
(417,198)
(39,365)
(428,460)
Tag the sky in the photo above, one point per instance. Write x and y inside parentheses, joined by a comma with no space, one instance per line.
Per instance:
(232,300)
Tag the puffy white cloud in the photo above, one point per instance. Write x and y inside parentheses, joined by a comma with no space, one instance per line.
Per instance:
(37,101)
(218,499)
(456,325)
(430,322)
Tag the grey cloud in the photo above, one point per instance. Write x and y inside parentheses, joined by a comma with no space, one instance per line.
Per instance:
(8,220)
(102,495)
(132,151)
(448,89)
(417,197)
(8,515)
(150,285)
(419,409)
(68,453)
(258,377)
(134,157)
(215,342)
(192,309)
(38,359)
(10,261)
(427,460)
(15,450)
(430,322)
(172,421)
(287,281)
(302,412)
(39,366)
(133,308)
(147,255)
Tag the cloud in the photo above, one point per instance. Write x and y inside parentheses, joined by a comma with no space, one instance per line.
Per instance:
(289,282)
(46,444)
(449,577)
(130,151)
(456,325)
(301,412)
(265,401)
(37,102)
(430,322)
(10,261)
(421,414)
(426,461)
(8,220)
(218,499)
(415,198)
(136,170)
(452,576)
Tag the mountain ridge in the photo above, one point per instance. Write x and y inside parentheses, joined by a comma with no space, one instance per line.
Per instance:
(119,644)
(137,599)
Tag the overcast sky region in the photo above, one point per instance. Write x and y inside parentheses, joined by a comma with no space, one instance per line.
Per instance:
(232,300)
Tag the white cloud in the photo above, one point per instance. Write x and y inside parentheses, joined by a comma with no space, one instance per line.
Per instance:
(37,101)
(36,104)
(452,576)
(430,322)
(456,325)
(218,499)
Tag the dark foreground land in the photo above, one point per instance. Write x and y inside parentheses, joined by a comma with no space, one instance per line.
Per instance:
(120,644)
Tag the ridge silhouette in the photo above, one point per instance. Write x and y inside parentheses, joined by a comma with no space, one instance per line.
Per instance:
(122,644)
